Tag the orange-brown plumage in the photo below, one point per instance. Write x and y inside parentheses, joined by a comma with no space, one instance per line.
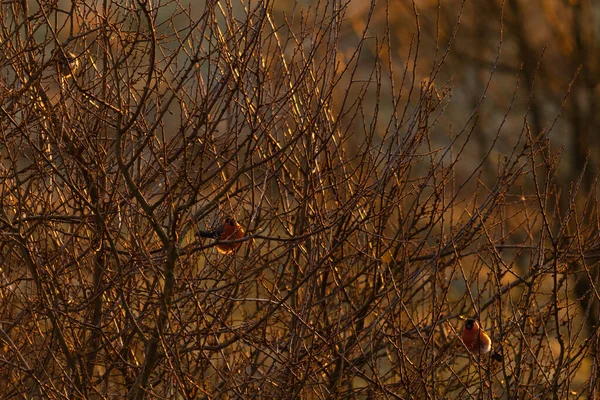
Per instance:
(477,341)
(225,234)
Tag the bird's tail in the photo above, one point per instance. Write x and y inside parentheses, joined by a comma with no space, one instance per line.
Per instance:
(214,234)
(497,355)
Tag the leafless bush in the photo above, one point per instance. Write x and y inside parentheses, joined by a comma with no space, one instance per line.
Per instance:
(377,214)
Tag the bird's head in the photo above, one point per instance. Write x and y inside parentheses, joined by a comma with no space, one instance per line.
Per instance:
(230,221)
(470,324)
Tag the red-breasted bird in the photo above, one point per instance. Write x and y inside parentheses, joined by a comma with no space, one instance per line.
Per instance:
(230,230)
(477,341)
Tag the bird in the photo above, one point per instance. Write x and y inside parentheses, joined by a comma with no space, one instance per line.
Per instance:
(66,63)
(477,341)
(230,230)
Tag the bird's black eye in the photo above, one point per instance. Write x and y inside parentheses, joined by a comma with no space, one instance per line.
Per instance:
(469,324)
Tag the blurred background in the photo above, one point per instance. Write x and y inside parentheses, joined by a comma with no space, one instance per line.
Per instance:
(394,168)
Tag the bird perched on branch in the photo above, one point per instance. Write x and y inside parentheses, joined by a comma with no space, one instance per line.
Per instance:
(66,63)
(477,341)
(229,231)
